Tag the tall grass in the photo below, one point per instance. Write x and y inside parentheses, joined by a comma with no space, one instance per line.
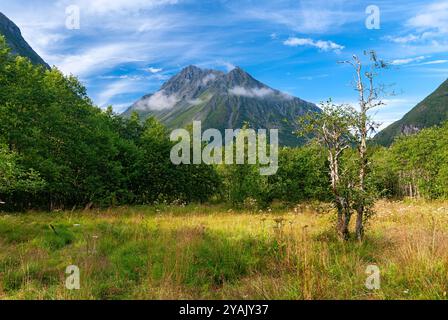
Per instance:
(210,252)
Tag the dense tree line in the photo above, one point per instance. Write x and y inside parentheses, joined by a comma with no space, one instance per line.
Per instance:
(59,151)
(301,176)
(414,166)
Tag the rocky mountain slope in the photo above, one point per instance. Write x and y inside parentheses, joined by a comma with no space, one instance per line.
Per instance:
(432,111)
(223,101)
(16,42)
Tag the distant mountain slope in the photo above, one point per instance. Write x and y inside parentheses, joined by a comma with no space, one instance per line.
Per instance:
(17,43)
(223,101)
(432,111)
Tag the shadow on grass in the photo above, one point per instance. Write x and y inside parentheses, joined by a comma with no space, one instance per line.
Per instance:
(368,250)
(191,258)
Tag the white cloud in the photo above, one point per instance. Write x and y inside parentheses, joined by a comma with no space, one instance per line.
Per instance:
(158,101)
(403,40)
(124,86)
(434,16)
(154,70)
(252,92)
(313,77)
(398,62)
(286,96)
(42,34)
(208,78)
(104,24)
(426,31)
(106,6)
(198,101)
(229,66)
(429,26)
(305,16)
(320,44)
(113,77)
(195,102)
(157,23)
(418,61)
(435,62)
(95,59)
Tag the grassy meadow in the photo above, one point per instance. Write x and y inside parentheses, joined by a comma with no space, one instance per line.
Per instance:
(212,252)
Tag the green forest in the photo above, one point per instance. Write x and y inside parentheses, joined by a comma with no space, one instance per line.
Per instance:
(59,151)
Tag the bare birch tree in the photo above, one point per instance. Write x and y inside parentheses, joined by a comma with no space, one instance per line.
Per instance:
(369,97)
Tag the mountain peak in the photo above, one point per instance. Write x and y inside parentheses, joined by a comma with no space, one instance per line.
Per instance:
(191,68)
(237,69)
(223,101)
(190,72)
(239,77)
(190,81)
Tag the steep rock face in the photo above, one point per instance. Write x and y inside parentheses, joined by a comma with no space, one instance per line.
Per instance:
(223,101)
(17,43)
(432,111)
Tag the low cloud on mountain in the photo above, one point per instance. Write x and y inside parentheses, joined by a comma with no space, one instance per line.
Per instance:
(158,101)
(251,92)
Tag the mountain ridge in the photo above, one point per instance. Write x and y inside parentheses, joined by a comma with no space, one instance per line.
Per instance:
(17,43)
(431,111)
(223,101)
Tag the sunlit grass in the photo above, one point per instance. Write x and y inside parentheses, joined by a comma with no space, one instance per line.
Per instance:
(212,252)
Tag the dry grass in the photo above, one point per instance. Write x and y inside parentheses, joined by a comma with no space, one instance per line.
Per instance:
(210,252)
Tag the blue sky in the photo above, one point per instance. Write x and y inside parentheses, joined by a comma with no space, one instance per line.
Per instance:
(127,48)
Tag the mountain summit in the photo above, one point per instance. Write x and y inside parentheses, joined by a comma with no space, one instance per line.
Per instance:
(17,43)
(223,101)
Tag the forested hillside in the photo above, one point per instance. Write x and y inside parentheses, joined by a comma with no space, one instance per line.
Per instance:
(432,111)
(415,166)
